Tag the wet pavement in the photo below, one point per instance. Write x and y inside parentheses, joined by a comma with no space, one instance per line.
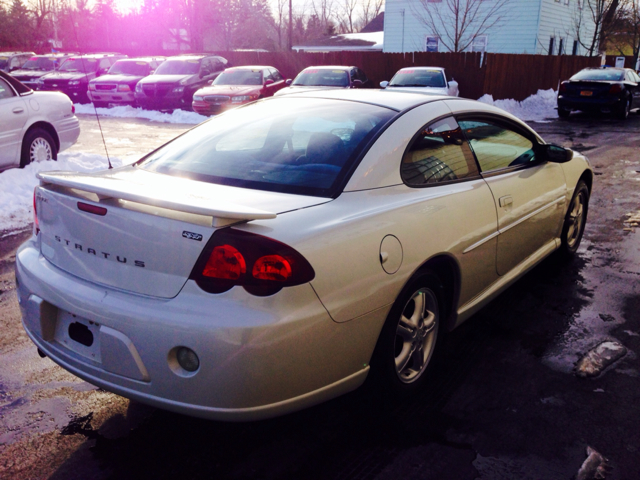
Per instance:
(503,401)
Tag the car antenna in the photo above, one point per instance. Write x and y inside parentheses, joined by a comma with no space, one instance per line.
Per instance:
(94,105)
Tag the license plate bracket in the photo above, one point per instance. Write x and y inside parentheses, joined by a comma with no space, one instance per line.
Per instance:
(80,335)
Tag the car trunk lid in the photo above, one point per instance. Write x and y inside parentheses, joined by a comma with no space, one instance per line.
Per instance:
(141,231)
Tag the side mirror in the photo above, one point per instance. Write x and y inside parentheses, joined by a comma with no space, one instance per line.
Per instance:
(288,81)
(268,81)
(384,84)
(356,83)
(556,153)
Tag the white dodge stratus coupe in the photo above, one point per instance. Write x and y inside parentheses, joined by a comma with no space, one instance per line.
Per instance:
(284,252)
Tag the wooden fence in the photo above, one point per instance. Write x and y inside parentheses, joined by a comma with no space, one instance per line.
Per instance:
(501,75)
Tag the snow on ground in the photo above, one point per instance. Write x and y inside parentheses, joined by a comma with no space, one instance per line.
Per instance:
(17,184)
(540,107)
(126,111)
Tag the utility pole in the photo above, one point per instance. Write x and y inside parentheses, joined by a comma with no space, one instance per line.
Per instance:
(290,25)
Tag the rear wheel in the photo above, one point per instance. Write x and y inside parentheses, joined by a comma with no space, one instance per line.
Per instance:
(37,146)
(408,339)
(575,220)
(625,109)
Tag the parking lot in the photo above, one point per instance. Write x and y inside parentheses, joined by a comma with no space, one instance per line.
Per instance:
(502,403)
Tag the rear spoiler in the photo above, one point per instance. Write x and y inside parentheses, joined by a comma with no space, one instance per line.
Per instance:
(179,200)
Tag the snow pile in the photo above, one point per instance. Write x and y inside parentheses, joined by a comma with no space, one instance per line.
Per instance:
(540,107)
(17,184)
(126,111)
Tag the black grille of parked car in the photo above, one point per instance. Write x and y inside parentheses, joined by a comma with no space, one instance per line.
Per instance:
(217,99)
(105,86)
(55,83)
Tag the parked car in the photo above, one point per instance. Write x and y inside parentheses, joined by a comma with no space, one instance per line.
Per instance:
(237,86)
(174,82)
(600,90)
(119,84)
(74,74)
(10,61)
(283,252)
(431,80)
(37,66)
(326,76)
(34,126)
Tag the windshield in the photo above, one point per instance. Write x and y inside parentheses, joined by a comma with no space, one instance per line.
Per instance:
(418,78)
(178,67)
(599,75)
(303,146)
(39,63)
(129,67)
(239,77)
(84,65)
(322,77)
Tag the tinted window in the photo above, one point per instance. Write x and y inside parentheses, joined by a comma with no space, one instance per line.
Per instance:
(179,67)
(322,77)
(495,146)
(303,146)
(438,154)
(599,75)
(39,63)
(238,76)
(418,78)
(276,75)
(129,67)
(84,65)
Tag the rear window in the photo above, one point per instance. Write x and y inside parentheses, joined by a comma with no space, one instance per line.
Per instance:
(299,146)
(599,75)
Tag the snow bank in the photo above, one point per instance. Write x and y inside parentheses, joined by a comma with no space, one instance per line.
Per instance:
(17,184)
(126,111)
(540,107)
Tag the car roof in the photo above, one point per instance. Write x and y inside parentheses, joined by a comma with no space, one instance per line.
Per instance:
(330,67)
(422,68)
(142,59)
(250,67)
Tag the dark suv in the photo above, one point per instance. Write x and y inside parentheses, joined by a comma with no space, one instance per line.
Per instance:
(174,82)
(74,74)
(118,85)
(37,66)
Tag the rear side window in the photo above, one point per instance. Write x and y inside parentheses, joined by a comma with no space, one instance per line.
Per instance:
(5,90)
(302,146)
(438,154)
(496,146)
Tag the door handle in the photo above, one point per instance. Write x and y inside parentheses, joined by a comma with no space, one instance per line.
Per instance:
(18,110)
(506,201)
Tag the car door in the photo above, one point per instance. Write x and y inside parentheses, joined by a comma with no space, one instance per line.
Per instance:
(529,193)
(13,117)
(632,81)
(278,80)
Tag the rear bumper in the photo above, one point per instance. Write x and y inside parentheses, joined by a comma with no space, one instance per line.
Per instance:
(589,104)
(68,131)
(259,356)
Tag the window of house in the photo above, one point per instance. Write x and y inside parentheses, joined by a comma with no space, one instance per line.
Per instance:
(438,154)
(496,146)
(552,41)
(479,44)
(433,44)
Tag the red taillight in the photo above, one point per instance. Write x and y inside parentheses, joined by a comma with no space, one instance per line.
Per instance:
(260,264)
(272,267)
(36,224)
(225,262)
(73,108)
(563,87)
(87,207)
(615,88)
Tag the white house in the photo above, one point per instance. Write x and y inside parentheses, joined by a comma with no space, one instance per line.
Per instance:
(548,27)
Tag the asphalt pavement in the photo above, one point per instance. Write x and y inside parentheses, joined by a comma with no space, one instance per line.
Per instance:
(504,401)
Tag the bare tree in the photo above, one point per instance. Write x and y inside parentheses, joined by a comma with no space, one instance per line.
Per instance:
(603,14)
(459,22)
(627,33)
(370,9)
(347,15)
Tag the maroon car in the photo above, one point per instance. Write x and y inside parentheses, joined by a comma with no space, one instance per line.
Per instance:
(237,86)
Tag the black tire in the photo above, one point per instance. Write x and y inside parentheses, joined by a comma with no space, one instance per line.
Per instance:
(563,112)
(625,109)
(394,371)
(100,104)
(37,146)
(575,220)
